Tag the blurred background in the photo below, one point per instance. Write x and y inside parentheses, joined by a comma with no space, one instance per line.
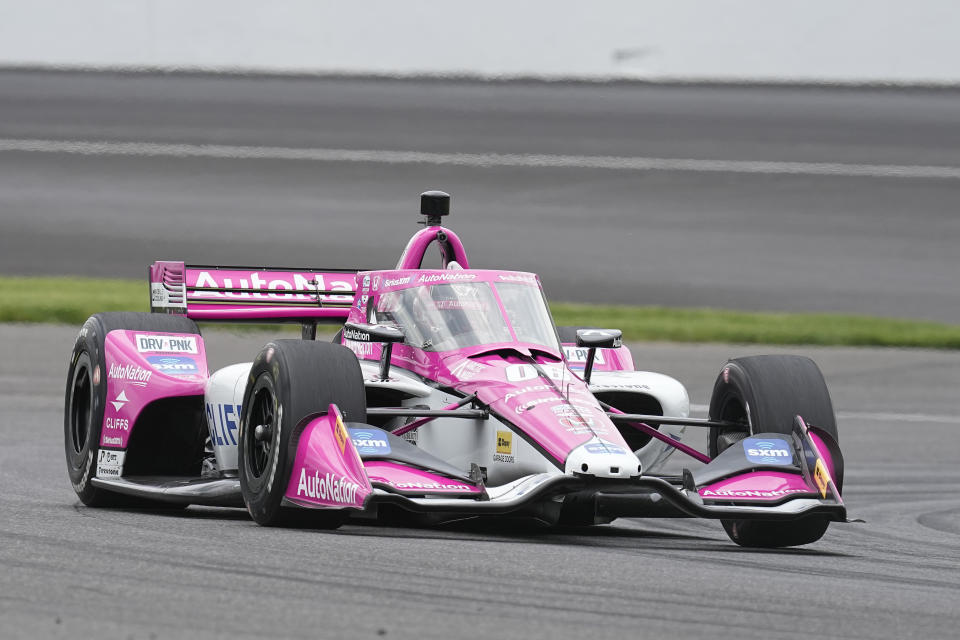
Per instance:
(739,154)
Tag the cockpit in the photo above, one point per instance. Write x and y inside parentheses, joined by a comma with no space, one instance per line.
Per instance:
(490,308)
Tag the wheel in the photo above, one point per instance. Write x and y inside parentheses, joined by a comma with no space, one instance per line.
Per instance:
(291,380)
(764,394)
(85,399)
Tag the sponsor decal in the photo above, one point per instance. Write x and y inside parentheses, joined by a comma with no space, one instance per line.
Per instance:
(466,370)
(504,442)
(532,404)
(281,287)
(748,493)
(603,447)
(576,412)
(174,365)
(396,282)
(353,334)
(523,390)
(116,424)
(447,277)
(114,441)
(376,282)
(223,422)
(504,447)
(166,344)
(413,437)
(515,277)
(132,373)
(329,487)
(436,486)
(604,386)
(362,349)
(369,442)
(110,463)
(120,401)
(366,282)
(821,477)
(468,305)
(768,451)
(579,354)
(521,372)
(340,434)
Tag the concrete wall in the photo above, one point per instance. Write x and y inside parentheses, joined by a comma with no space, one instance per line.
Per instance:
(765,40)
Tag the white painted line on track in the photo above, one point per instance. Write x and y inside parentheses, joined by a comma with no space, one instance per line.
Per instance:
(880,417)
(479,160)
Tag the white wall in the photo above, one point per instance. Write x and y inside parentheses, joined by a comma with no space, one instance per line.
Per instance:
(813,40)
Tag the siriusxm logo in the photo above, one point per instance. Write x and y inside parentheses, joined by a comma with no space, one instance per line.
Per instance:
(602,447)
(369,442)
(768,451)
(174,365)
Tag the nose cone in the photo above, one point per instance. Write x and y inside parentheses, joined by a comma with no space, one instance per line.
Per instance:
(434,205)
(603,459)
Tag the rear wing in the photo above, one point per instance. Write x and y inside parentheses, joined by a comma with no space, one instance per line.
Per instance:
(252,294)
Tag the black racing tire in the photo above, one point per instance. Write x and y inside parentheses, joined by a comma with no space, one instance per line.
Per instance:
(764,394)
(85,400)
(290,382)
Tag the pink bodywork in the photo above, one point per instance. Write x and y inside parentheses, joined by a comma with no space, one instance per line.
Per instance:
(772,485)
(405,479)
(235,293)
(758,485)
(327,470)
(559,415)
(144,366)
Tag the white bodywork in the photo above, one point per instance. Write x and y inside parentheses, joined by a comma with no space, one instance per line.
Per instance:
(222,404)
(489,443)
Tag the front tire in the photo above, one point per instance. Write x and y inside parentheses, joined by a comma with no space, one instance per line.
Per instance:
(291,382)
(85,399)
(764,394)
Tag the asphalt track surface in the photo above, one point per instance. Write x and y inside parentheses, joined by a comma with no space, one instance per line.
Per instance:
(746,198)
(71,571)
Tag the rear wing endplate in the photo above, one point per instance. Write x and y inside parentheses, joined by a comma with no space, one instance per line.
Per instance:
(251,294)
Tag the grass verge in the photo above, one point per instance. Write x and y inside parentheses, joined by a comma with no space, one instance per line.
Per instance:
(72,300)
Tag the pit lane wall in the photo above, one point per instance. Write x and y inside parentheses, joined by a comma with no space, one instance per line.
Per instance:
(831,41)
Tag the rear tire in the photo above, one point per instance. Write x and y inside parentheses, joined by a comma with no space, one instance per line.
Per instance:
(764,394)
(85,400)
(292,381)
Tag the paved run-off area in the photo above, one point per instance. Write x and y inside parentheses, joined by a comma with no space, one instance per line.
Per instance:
(70,571)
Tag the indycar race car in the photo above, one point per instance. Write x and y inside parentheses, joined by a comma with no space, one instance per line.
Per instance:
(447,394)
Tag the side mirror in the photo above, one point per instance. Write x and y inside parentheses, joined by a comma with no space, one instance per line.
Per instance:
(597,339)
(384,334)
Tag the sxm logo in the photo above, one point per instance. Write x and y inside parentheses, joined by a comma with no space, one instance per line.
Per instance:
(768,451)
(174,365)
(370,442)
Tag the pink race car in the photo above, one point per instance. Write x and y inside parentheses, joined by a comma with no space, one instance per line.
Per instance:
(448,394)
